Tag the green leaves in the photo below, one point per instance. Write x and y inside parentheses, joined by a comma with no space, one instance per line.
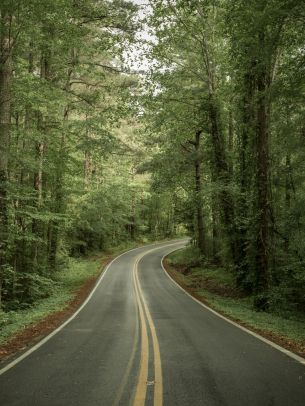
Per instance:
(66,162)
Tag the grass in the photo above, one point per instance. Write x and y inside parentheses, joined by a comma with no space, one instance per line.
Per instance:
(66,284)
(242,310)
(215,285)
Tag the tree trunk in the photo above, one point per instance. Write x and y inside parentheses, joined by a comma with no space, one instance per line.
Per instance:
(5,123)
(221,169)
(37,185)
(223,177)
(58,203)
(246,143)
(287,200)
(59,186)
(262,237)
(215,230)
(37,227)
(198,197)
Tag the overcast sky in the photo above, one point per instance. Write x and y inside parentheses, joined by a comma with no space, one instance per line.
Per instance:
(138,61)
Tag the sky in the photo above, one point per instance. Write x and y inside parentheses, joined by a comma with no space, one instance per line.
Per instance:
(137,59)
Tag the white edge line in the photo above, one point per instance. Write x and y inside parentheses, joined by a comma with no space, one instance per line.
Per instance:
(259,337)
(52,334)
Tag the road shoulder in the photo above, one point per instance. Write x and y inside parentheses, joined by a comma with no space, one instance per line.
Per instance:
(292,348)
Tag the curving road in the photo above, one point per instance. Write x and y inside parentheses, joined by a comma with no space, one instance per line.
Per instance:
(140,340)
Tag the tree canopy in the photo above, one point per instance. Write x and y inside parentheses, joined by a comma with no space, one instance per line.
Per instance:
(207,139)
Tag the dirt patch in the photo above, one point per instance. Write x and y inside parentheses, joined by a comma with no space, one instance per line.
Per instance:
(177,275)
(35,332)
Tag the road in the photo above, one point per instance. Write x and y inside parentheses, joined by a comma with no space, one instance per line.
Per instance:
(140,341)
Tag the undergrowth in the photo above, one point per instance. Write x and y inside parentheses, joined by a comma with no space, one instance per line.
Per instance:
(64,287)
(216,285)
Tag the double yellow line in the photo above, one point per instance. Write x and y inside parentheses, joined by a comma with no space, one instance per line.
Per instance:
(147,322)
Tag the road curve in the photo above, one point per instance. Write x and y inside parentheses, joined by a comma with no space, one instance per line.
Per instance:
(141,341)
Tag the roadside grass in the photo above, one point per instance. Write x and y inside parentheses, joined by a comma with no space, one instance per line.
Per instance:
(66,283)
(242,310)
(216,287)
(74,274)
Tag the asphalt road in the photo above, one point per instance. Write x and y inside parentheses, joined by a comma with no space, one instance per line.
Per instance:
(140,340)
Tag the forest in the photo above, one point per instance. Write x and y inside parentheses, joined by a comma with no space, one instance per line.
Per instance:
(149,120)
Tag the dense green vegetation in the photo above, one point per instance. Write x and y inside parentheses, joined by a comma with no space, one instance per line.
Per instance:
(67,178)
(60,293)
(225,107)
(209,139)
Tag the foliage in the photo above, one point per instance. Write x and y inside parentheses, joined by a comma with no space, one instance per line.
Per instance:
(64,287)
(224,109)
(68,181)
(208,141)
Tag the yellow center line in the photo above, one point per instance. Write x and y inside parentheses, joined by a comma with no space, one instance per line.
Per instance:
(140,395)
(158,387)
(141,389)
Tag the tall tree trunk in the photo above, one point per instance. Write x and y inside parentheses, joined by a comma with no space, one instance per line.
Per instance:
(53,232)
(215,228)
(262,237)
(246,143)
(287,199)
(223,177)
(198,197)
(37,185)
(5,123)
(222,172)
(37,227)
